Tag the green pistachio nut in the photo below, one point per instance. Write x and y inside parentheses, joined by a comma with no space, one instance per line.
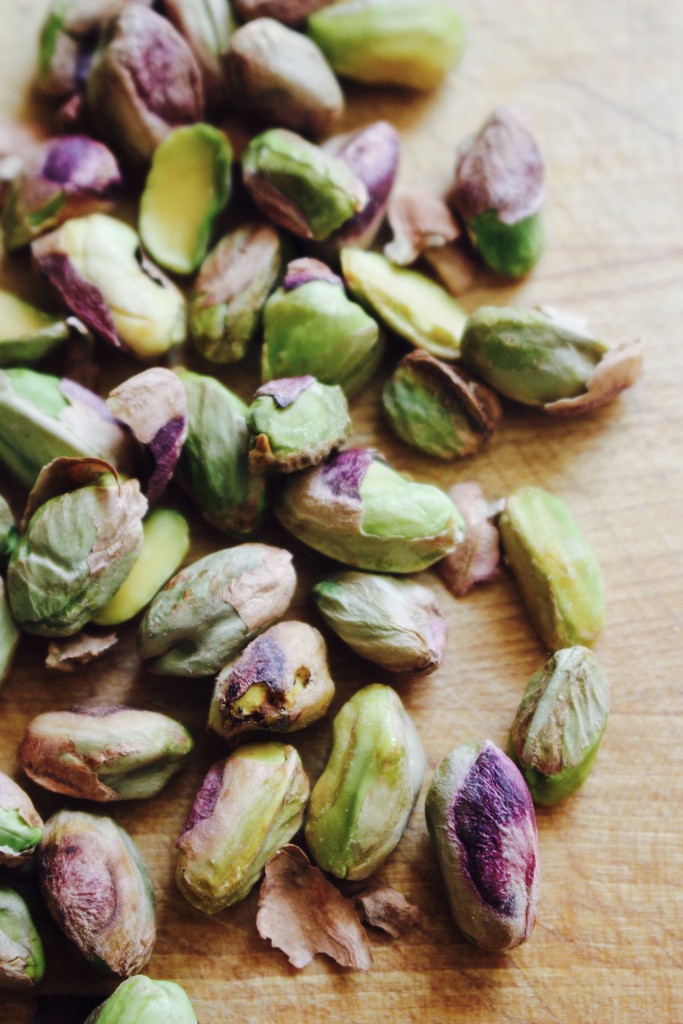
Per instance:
(22,962)
(248,807)
(410,43)
(280,683)
(8,529)
(187,187)
(396,623)
(300,186)
(418,309)
(98,891)
(361,803)
(210,610)
(294,423)
(214,464)
(145,1001)
(228,296)
(206,26)
(355,508)
(78,548)
(165,543)
(310,326)
(26,333)
(439,409)
(556,571)
(559,724)
(9,634)
(104,753)
(21,827)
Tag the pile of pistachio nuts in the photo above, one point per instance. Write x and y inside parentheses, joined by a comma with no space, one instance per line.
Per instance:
(138,90)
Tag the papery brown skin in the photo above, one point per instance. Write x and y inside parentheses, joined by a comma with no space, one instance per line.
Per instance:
(617,370)
(65,655)
(61,476)
(454,266)
(303,914)
(383,907)
(477,559)
(289,12)
(420,221)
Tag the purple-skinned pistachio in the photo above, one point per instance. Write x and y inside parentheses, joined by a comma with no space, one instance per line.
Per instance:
(481,820)
(72,176)
(477,559)
(206,26)
(289,12)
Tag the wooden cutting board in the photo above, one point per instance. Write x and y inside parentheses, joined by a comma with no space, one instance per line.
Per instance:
(601,80)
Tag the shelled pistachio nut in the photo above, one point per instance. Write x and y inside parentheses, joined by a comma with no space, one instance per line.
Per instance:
(418,309)
(21,827)
(280,683)
(230,292)
(22,961)
(9,633)
(26,333)
(214,464)
(294,423)
(9,533)
(104,753)
(559,724)
(289,12)
(145,1001)
(211,609)
(410,43)
(361,803)
(394,622)
(355,508)
(248,807)
(555,569)
(98,891)
(439,409)
(206,26)
(310,326)
(300,186)
(499,192)
(481,820)
(94,267)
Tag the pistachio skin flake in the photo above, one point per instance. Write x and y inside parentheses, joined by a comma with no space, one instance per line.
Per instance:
(355,508)
(104,753)
(294,423)
(249,806)
(22,961)
(559,724)
(145,1001)
(210,610)
(481,820)
(9,633)
(361,803)
(555,569)
(21,827)
(98,891)
(280,683)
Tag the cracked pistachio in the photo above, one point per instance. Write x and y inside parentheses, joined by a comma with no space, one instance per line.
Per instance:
(555,569)
(83,534)
(438,408)
(98,891)
(409,43)
(359,510)
(418,309)
(187,187)
(481,820)
(206,26)
(300,186)
(211,609)
(281,683)
(21,827)
(71,177)
(499,191)
(282,78)
(214,464)
(559,724)
(310,326)
(143,83)
(8,529)
(228,296)
(26,333)
(9,633)
(394,622)
(22,962)
(294,423)
(94,266)
(289,12)
(104,753)
(43,418)
(360,805)
(248,807)
(145,1001)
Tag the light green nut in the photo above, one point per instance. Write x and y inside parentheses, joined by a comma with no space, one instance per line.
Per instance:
(249,806)
(556,571)
(410,43)
(559,724)
(361,803)
(510,249)
(26,333)
(21,827)
(9,633)
(22,962)
(8,529)
(145,1001)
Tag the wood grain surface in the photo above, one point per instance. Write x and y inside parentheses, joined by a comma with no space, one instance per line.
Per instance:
(602,82)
